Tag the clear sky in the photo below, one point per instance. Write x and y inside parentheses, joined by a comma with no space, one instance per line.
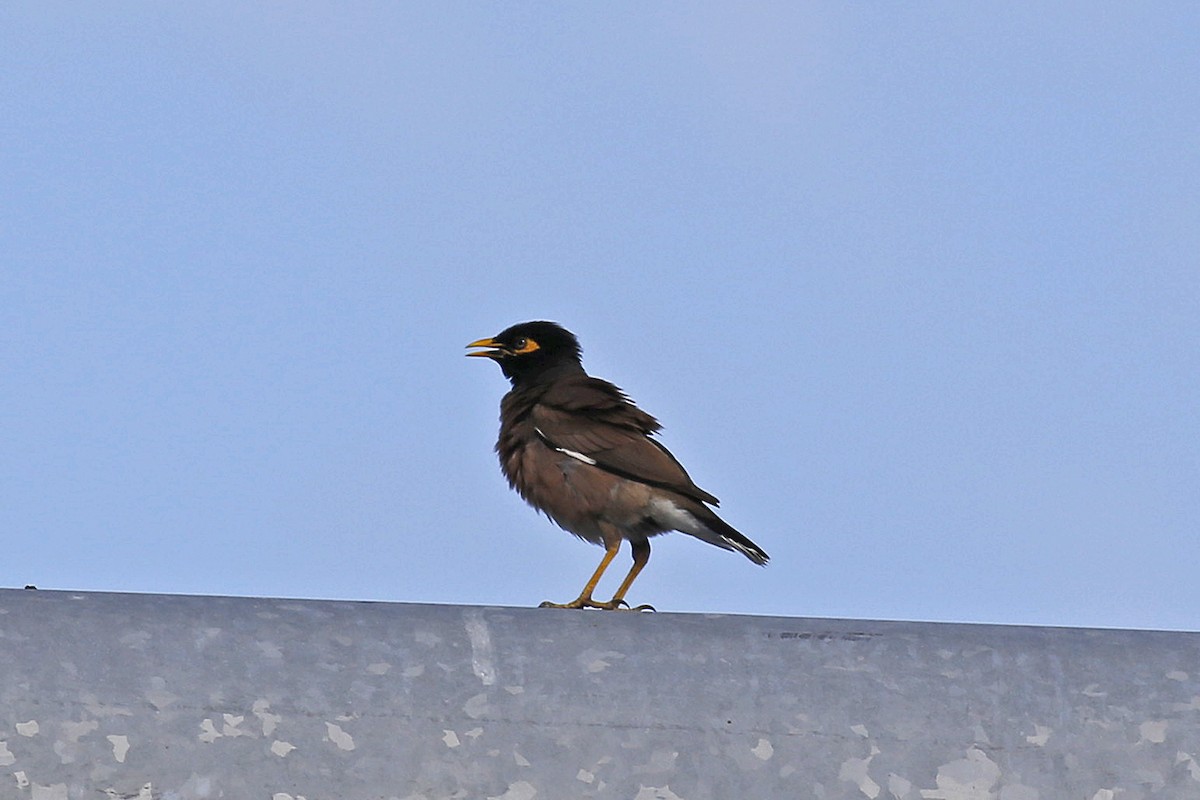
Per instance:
(914,288)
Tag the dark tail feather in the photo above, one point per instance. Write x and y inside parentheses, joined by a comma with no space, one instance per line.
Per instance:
(719,532)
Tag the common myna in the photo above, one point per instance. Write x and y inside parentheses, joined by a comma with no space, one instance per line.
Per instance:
(577,449)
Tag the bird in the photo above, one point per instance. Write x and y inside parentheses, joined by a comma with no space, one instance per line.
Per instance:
(577,448)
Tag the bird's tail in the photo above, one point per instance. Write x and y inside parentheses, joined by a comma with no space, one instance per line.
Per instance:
(715,530)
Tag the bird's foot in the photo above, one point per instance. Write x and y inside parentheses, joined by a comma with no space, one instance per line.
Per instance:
(578,602)
(587,602)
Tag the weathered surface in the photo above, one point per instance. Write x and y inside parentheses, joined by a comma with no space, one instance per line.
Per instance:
(142,696)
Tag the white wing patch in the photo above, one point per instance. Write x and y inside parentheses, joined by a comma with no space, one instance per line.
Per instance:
(572,453)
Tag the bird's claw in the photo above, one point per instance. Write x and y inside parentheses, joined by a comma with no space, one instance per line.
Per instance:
(621,605)
(587,602)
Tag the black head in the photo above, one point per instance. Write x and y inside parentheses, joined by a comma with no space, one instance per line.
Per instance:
(532,351)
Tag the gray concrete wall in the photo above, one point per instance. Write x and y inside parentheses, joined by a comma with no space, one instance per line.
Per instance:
(174,698)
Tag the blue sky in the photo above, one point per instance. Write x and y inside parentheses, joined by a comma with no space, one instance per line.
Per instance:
(915,290)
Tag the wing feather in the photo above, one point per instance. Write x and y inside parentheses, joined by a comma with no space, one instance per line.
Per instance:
(593,418)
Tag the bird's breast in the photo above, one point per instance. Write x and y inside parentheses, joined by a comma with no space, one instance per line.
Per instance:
(575,494)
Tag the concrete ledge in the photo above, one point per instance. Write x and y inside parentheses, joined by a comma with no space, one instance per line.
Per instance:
(180,698)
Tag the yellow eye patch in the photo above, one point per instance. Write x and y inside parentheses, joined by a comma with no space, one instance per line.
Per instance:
(525,345)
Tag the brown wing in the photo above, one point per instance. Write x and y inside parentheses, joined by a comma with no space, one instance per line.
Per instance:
(592,418)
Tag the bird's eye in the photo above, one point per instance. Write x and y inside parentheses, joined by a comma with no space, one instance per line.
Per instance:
(523,345)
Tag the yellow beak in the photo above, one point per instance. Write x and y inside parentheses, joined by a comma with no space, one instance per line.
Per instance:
(486,353)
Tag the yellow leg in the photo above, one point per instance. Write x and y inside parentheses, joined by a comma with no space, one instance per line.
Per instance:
(585,597)
(641,555)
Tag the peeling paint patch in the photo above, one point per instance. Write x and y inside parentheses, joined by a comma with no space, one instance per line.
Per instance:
(28,729)
(281,748)
(339,737)
(521,790)
(1018,791)
(120,746)
(855,770)
(970,778)
(474,733)
(269,721)
(379,668)
(482,654)
(208,732)
(231,723)
(583,776)
(656,793)
(22,780)
(1041,735)
(898,786)
(414,671)
(861,730)
(451,739)
(1153,731)
(1177,675)
(1104,794)
(7,759)
(763,750)
(521,760)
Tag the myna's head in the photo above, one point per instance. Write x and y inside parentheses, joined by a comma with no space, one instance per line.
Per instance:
(532,350)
